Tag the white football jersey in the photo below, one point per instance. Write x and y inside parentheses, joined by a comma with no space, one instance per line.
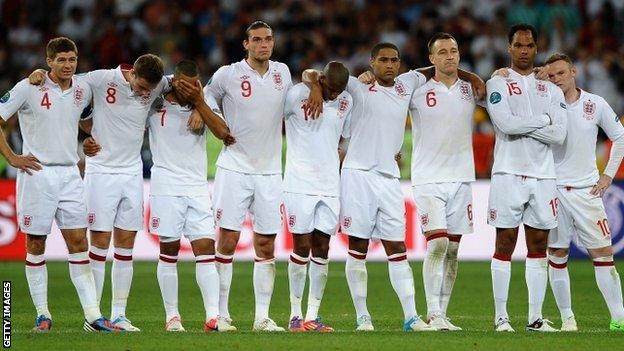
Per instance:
(48,118)
(253,107)
(312,162)
(178,153)
(575,160)
(378,123)
(442,133)
(519,107)
(119,120)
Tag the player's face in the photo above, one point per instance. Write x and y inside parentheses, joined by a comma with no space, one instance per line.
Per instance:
(445,56)
(63,65)
(331,90)
(386,64)
(259,44)
(191,80)
(562,74)
(140,86)
(523,49)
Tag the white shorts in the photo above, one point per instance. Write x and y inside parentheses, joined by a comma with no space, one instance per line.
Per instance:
(114,200)
(308,212)
(236,193)
(53,193)
(444,206)
(372,206)
(582,218)
(174,216)
(516,199)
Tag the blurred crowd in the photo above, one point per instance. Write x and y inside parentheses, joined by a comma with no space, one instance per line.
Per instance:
(310,33)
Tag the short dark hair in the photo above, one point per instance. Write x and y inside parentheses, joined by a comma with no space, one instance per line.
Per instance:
(438,36)
(256,25)
(559,56)
(186,67)
(378,47)
(58,45)
(337,73)
(149,67)
(521,27)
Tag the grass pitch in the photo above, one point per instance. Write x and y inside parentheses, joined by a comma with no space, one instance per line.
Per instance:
(471,308)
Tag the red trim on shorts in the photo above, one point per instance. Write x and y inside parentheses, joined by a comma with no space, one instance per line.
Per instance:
(317,262)
(167,259)
(398,258)
(437,235)
(96,257)
(79,262)
(223,259)
(32,264)
(122,257)
(208,260)
(454,238)
(557,265)
(603,264)
(536,255)
(296,261)
(357,256)
(502,257)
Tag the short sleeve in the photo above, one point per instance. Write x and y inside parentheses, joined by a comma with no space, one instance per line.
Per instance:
(216,84)
(290,104)
(610,122)
(94,78)
(14,99)
(413,78)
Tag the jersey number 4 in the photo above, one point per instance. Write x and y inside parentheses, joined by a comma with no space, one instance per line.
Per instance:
(45,101)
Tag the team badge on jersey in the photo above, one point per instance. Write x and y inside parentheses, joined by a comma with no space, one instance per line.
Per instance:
(78,96)
(219,214)
(424,219)
(343,105)
(277,79)
(589,108)
(495,97)
(541,89)
(346,222)
(91,218)
(492,215)
(465,92)
(400,89)
(155,222)
(5,97)
(292,219)
(27,220)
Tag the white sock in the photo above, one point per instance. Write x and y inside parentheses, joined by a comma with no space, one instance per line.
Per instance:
(357,279)
(501,274)
(610,286)
(450,274)
(98,268)
(167,273)
(318,279)
(208,281)
(82,278)
(402,280)
(297,267)
(224,268)
(263,280)
(560,284)
(536,276)
(121,280)
(37,277)
(433,271)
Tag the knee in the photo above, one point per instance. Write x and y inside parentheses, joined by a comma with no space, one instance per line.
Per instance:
(170,248)
(203,247)
(359,245)
(100,239)
(35,244)
(79,244)
(264,245)
(227,243)
(558,252)
(394,247)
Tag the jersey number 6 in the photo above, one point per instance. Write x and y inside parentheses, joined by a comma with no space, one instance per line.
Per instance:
(431,100)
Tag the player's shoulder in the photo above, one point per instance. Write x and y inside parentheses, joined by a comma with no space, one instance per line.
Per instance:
(298,89)
(599,100)
(279,66)
(412,78)
(495,80)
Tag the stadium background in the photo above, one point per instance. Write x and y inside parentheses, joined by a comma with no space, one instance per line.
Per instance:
(308,34)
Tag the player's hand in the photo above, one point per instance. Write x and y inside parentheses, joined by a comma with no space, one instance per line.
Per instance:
(90,147)
(541,72)
(26,163)
(229,139)
(191,92)
(367,77)
(478,87)
(314,105)
(37,77)
(601,186)
(195,121)
(397,157)
(503,72)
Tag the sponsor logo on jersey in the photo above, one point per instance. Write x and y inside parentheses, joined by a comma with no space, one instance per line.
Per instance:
(292,219)
(495,97)
(155,222)
(91,218)
(346,222)
(424,219)
(465,92)
(27,220)
(589,108)
(112,84)
(563,106)
(5,97)
(277,79)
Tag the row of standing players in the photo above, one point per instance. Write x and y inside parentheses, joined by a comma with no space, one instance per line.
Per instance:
(254,96)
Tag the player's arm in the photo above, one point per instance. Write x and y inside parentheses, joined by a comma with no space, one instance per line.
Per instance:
(555,132)
(611,125)
(314,105)
(503,118)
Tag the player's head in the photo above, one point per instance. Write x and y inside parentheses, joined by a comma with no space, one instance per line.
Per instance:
(444,53)
(62,57)
(334,80)
(188,71)
(259,41)
(146,73)
(561,71)
(385,61)
(522,47)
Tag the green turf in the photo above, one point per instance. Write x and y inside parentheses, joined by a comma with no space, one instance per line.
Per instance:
(471,308)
